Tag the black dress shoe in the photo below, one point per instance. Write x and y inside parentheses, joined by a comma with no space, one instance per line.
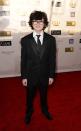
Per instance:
(48,115)
(28,117)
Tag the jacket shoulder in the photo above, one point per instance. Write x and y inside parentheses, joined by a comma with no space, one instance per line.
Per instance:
(26,37)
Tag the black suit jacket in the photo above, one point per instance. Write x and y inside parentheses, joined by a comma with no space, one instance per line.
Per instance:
(38,64)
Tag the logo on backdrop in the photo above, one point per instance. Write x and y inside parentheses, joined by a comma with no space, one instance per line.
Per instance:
(55,32)
(71,23)
(5,43)
(69,49)
(71,41)
(72,14)
(4,13)
(5,33)
(4,2)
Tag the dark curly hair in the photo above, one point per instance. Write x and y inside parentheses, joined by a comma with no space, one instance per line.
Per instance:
(38,15)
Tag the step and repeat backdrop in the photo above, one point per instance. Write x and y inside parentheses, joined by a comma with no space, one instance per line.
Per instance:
(64,24)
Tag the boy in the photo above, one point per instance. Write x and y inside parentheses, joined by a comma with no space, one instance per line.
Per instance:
(38,63)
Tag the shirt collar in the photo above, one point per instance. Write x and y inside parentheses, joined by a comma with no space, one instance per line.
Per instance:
(35,33)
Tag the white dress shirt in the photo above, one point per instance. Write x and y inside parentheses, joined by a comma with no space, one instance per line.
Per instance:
(41,36)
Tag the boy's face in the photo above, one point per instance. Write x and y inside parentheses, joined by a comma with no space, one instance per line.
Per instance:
(38,25)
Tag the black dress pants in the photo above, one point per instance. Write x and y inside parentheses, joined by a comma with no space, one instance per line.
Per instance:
(31,92)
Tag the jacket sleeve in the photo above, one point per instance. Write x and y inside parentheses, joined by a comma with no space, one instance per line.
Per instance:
(52,58)
(23,60)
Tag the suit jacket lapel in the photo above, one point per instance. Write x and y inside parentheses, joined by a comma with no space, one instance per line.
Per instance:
(43,47)
(34,45)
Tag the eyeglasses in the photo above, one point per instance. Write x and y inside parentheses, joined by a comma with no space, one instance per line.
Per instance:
(38,21)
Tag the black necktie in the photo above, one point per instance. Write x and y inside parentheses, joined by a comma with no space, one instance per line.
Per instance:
(38,42)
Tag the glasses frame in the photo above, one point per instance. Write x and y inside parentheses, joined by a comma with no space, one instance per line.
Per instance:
(38,21)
